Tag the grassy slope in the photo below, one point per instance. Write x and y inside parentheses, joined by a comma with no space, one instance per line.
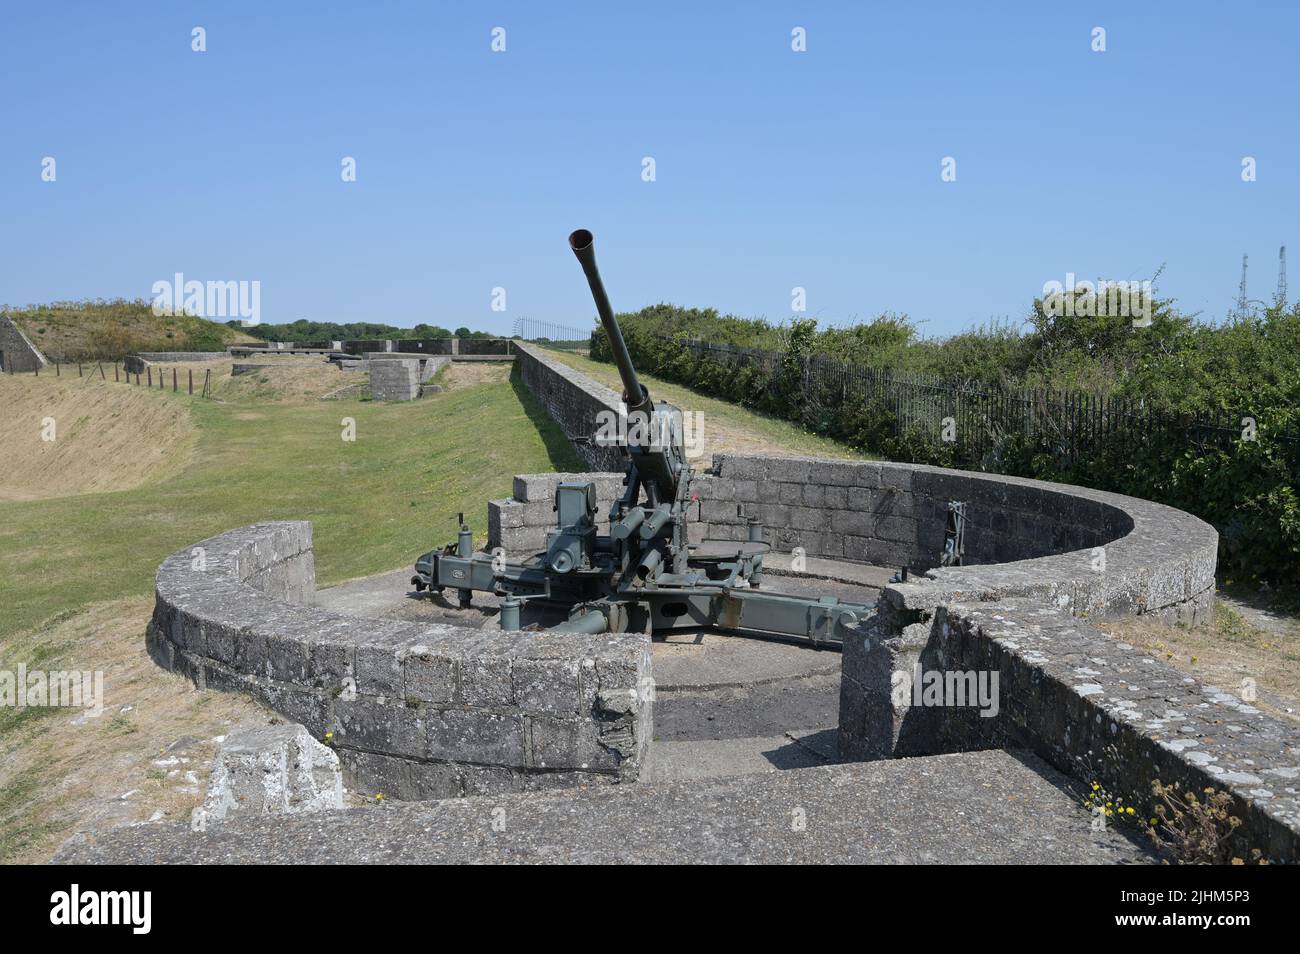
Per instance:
(727,427)
(75,330)
(376,503)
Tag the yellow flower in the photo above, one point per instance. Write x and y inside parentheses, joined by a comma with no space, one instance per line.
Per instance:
(379,796)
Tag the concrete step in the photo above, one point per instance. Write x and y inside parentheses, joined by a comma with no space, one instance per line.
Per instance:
(977,807)
(715,758)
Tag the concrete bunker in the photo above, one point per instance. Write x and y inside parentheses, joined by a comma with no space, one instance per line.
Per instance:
(428,709)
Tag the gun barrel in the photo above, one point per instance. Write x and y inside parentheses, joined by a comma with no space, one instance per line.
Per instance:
(634,394)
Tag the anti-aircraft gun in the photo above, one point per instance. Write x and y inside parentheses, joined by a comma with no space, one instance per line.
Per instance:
(644,575)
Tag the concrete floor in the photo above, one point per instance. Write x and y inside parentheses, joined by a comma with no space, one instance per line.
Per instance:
(972,808)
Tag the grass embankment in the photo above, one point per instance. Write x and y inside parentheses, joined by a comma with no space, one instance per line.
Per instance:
(70,435)
(727,428)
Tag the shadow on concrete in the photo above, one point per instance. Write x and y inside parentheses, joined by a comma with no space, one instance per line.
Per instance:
(806,749)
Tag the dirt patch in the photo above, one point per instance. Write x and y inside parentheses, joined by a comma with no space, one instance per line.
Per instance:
(66,435)
(145,758)
(287,380)
(468,374)
(1232,653)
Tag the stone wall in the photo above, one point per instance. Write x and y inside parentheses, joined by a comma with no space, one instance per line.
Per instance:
(573,400)
(240,368)
(416,710)
(136,363)
(1084,550)
(18,352)
(1092,706)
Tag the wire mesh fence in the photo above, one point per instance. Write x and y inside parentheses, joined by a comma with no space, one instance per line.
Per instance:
(551,335)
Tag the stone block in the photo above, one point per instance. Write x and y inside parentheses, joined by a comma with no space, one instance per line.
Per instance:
(272,770)
(474,735)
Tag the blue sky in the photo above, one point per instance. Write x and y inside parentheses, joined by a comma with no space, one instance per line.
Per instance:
(774,169)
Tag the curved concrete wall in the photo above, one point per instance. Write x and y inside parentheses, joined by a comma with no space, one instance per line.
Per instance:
(416,711)
(1041,558)
(1083,550)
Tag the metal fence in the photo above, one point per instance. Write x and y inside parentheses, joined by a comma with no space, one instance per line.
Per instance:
(563,337)
(152,376)
(980,420)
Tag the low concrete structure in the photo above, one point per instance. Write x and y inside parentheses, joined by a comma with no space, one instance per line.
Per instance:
(397,380)
(416,710)
(272,770)
(1093,707)
(427,366)
(399,377)
(1087,551)
(17,353)
(458,349)
(428,710)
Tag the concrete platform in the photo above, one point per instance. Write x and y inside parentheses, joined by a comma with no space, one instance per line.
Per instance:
(724,705)
(977,807)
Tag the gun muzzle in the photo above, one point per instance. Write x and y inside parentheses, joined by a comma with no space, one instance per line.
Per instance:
(635,396)
(650,562)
